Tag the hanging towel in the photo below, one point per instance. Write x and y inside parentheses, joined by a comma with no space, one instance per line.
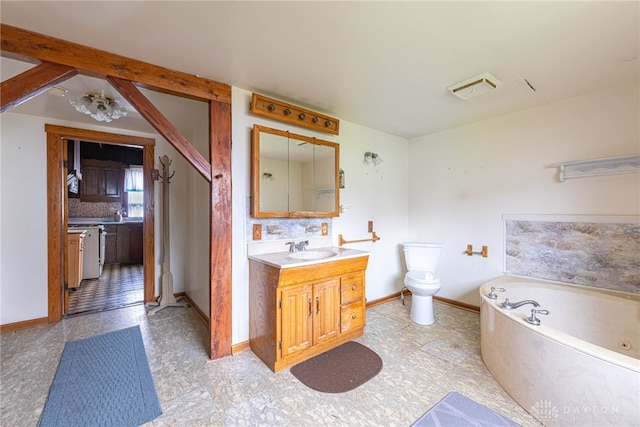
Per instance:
(76,160)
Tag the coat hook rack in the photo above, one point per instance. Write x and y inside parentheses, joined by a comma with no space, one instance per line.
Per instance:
(163,175)
(289,113)
(374,237)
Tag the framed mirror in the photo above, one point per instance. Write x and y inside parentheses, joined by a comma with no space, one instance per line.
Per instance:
(293,175)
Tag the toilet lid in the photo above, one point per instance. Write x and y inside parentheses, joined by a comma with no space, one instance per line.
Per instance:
(424,277)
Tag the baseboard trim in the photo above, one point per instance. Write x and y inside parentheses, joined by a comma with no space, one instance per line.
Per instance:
(25,324)
(201,315)
(453,303)
(383,300)
(458,304)
(237,348)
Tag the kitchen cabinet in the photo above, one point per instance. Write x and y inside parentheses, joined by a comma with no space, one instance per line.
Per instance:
(298,312)
(124,243)
(75,252)
(135,243)
(101,181)
(111,244)
(129,243)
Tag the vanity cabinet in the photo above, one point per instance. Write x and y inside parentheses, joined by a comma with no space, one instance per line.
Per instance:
(310,315)
(298,312)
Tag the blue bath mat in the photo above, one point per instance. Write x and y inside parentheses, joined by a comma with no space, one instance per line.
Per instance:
(456,410)
(103,381)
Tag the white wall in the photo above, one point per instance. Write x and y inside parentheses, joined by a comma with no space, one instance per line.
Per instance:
(197,214)
(23,214)
(463,180)
(378,194)
(451,187)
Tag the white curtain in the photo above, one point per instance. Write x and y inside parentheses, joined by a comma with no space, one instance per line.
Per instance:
(133,179)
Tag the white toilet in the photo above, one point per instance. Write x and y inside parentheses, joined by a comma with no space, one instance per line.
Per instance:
(422,279)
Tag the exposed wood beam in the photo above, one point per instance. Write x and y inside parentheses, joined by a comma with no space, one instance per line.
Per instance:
(55,226)
(32,83)
(30,45)
(147,110)
(220,247)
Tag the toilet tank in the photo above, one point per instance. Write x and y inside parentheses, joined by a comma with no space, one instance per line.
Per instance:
(422,256)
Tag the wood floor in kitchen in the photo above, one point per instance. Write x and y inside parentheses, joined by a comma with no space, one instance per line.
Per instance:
(119,286)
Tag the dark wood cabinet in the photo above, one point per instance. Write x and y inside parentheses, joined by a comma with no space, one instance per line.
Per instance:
(101,181)
(135,243)
(111,244)
(124,243)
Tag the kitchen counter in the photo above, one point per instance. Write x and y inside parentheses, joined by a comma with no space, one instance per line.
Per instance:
(76,231)
(103,220)
(284,259)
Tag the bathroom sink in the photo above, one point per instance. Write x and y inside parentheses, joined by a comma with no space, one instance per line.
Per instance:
(311,255)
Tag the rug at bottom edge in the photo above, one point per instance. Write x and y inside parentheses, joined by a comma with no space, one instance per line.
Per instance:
(456,410)
(103,381)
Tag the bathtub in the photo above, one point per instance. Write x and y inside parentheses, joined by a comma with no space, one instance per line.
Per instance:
(580,366)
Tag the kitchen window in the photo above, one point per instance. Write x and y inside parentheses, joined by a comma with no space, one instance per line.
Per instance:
(134,187)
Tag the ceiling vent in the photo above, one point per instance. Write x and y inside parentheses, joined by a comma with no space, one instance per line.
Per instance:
(475,86)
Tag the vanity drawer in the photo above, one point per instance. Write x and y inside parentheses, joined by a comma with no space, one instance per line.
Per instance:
(351,288)
(352,316)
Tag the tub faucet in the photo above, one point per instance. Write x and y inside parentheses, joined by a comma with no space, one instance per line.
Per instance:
(533,319)
(492,294)
(508,305)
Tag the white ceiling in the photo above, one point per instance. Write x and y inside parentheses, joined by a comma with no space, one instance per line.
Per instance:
(385,65)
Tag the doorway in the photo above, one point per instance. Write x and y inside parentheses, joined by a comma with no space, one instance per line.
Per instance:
(105,198)
(57,218)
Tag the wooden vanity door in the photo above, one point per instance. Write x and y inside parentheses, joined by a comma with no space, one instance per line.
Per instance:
(296,319)
(326,306)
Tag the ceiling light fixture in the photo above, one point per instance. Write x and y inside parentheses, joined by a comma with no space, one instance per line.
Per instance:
(58,91)
(475,86)
(101,107)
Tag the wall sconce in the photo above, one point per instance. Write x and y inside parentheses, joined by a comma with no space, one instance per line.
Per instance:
(371,159)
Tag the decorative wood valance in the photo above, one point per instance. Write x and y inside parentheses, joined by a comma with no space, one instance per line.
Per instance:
(289,113)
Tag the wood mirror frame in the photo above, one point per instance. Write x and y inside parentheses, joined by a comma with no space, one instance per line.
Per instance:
(306,181)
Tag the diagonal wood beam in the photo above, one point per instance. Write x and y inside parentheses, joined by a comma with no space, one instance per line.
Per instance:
(29,45)
(32,83)
(142,104)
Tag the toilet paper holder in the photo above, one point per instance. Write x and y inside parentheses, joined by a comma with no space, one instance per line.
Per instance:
(484,252)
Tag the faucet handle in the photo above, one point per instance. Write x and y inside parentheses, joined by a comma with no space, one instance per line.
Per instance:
(533,319)
(492,294)
(292,246)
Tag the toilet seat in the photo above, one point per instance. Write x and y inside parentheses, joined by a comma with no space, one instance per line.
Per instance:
(422,278)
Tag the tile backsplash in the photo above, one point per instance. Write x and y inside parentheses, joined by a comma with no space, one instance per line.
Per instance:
(288,228)
(79,209)
(590,253)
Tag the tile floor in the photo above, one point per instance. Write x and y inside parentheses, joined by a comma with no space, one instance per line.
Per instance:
(118,286)
(421,365)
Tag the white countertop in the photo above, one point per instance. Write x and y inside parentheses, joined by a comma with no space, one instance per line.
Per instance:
(282,259)
(76,231)
(104,220)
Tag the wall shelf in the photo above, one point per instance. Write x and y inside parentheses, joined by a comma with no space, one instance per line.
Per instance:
(598,167)
(289,113)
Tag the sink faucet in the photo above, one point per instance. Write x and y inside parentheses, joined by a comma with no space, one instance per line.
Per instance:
(508,305)
(297,247)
